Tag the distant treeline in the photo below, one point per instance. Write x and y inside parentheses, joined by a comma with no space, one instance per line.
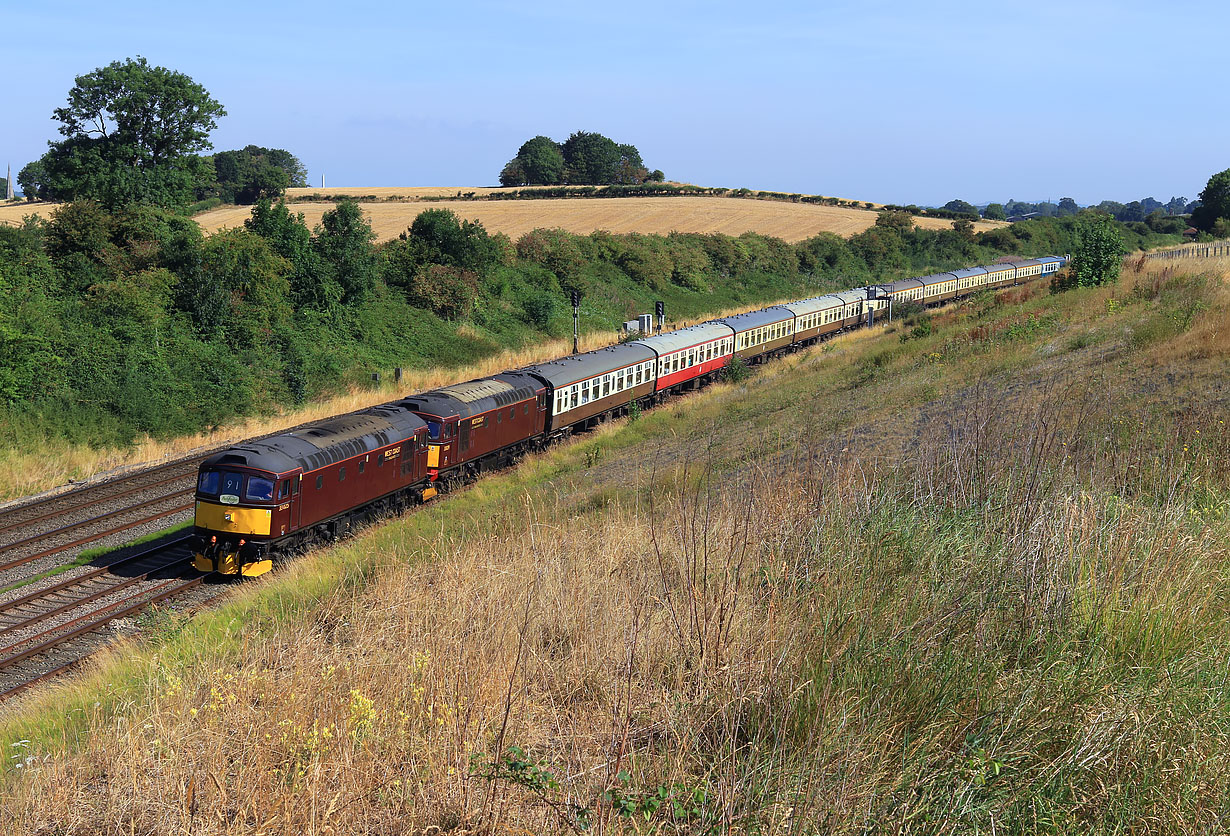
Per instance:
(120,322)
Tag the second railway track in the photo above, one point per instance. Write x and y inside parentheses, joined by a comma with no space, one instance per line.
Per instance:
(43,632)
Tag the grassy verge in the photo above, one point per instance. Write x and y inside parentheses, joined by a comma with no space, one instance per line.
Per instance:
(966,575)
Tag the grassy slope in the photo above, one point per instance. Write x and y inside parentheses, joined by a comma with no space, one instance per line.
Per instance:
(972,580)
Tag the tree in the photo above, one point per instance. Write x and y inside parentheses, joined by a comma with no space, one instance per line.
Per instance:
(33,180)
(1214,202)
(312,283)
(961,206)
(1067,206)
(591,159)
(540,162)
(247,176)
(513,173)
(1176,206)
(1097,255)
(344,243)
(131,133)
(900,221)
(995,212)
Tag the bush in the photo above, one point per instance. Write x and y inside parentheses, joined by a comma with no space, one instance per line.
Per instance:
(736,370)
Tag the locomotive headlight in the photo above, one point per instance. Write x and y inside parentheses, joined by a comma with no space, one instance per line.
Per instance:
(226,517)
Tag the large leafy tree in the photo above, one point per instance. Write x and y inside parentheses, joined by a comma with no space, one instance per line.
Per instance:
(253,173)
(539,162)
(132,132)
(1214,202)
(961,206)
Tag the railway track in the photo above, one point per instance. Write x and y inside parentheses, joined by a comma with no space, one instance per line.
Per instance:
(48,632)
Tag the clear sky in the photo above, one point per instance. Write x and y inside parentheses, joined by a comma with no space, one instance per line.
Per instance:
(902,102)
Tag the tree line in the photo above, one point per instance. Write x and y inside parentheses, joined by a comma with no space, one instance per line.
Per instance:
(116,322)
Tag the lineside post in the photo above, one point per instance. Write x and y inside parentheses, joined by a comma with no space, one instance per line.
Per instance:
(576,322)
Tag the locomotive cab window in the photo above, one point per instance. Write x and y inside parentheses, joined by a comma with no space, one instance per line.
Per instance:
(283,489)
(320,481)
(208,482)
(433,429)
(362,466)
(232,484)
(341,474)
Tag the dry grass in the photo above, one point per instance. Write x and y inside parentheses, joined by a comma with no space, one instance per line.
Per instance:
(732,216)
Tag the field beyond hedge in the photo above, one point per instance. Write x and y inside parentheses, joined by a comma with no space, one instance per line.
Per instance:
(792,222)
(965,574)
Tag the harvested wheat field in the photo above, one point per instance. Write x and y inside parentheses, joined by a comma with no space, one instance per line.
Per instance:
(12,213)
(732,216)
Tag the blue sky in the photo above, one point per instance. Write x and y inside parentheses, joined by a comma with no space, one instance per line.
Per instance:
(904,102)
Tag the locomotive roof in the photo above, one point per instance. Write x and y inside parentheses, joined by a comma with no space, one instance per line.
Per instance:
(685,337)
(576,367)
(325,443)
(824,303)
(470,398)
(756,319)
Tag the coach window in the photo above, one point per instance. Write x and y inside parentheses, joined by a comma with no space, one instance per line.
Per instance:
(576,391)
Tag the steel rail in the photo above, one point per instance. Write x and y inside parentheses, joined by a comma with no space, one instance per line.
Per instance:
(4,527)
(165,590)
(21,561)
(103,569)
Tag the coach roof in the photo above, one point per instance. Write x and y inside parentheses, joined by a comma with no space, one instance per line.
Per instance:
(685,337)
(757,319)
(577,367)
